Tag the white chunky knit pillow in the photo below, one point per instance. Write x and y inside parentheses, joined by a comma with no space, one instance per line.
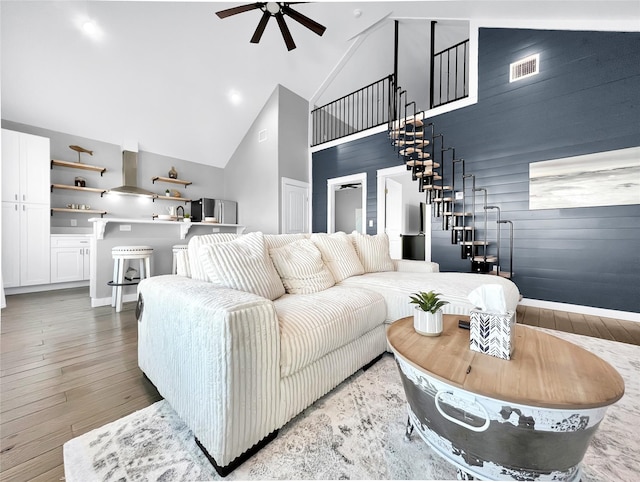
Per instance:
(300,267)
(338,255)
(243,264)
(373,251)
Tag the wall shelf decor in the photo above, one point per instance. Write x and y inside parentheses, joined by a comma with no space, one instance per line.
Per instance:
(168,179)
(80,211)
(76,165)
(171,198)
(78,188)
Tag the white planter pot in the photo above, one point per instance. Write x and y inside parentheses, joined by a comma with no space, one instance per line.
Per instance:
(428,324)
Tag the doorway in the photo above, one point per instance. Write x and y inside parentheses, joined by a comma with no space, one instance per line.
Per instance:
(399,209)
(347,203)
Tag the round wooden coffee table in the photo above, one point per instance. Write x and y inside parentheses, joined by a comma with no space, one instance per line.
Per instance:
(529,418)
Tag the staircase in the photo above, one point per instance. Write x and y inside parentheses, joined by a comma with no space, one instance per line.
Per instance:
(460,205)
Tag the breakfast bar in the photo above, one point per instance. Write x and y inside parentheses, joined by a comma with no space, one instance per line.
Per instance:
(161,235)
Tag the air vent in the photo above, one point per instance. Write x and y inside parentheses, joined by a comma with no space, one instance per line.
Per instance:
(524,68)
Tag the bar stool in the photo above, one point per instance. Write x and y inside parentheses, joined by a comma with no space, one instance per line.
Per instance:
(177,249)
(120,255)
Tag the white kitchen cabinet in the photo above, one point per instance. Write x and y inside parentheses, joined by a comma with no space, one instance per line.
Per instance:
(26,210)
(25,244)
(25,168)
(69,258)
(10,244)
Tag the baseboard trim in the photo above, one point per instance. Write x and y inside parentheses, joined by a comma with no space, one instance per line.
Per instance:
(19,290)
(584,310)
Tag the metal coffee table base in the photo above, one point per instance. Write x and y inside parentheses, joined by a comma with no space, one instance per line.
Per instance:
(490,439)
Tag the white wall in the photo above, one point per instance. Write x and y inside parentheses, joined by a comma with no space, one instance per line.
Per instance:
(251,176)
(275,145)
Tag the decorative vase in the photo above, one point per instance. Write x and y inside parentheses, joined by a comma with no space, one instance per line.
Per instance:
(173,174)
(427,323)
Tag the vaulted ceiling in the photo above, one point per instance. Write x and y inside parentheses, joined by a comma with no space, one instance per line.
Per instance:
(162,72)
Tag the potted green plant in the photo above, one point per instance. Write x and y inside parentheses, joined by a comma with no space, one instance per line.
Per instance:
(167,193)
(186,218)
(427,318)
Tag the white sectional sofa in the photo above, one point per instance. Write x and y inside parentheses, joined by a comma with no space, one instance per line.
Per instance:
(255,328)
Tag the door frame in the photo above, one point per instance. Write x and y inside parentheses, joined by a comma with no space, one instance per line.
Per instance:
(332,186)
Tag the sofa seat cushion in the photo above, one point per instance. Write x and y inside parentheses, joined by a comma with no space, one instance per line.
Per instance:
(396,286)
(313,325)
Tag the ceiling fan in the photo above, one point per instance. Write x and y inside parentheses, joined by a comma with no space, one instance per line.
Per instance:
(278,10)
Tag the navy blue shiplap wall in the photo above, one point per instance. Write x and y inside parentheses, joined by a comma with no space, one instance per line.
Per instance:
(585,99)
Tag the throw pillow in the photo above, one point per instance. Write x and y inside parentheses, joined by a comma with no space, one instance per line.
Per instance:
(193,251)
(243,264)
(301,268)
(373,251)
(338,254)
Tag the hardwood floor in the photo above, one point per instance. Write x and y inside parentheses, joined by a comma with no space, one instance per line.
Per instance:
(67,368)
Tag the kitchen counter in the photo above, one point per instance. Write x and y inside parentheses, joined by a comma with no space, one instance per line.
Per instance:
(159,234)
(100,225)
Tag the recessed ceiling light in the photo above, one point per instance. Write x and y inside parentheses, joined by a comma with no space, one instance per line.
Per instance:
(89,27)
(235,97)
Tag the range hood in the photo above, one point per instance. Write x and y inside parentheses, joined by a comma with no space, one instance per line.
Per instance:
(130,177)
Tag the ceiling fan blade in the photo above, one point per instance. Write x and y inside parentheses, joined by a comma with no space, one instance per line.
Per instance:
(257,35)
(286,35)
(304,20)
(240,9)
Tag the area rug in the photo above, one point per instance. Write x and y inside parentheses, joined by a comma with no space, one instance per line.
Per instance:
(354,432)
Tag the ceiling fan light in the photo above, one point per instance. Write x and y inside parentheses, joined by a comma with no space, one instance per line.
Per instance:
(272,7)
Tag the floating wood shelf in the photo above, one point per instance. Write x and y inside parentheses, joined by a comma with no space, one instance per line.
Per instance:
(79,211)
(168,179)
(78,188)
(172,198)
(78,165)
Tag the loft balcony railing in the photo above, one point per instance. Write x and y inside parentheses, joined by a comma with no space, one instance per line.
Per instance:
(450,74)
(363,109)
(381,102)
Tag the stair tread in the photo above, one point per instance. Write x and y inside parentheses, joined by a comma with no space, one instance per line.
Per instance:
(419,154)
(490,259)
(474,243)
(456,213)
(419,162)
(462,228)
(415,122)
(412,142)
(441,199)
(431,174)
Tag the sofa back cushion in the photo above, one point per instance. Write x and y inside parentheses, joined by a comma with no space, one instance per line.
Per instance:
(193,250)
(338,255)
(300,267)
(279,240)
(243,264)
(373,251)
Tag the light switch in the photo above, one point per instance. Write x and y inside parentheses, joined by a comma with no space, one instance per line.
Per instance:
(370,223)
(125,227)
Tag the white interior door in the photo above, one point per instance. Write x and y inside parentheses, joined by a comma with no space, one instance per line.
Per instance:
(295,206)
(393,217)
